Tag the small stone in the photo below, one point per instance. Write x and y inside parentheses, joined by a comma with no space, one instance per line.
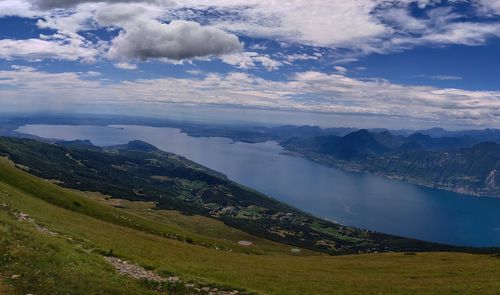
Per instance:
(15,277)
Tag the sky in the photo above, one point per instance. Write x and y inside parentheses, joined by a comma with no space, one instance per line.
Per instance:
(360,63)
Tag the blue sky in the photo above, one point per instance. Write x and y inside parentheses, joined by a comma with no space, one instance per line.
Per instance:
(363,63)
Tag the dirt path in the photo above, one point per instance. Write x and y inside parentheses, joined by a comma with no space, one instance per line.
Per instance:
(25,217)
(137,272)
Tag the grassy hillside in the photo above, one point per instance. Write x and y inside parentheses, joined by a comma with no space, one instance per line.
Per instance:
(60,251)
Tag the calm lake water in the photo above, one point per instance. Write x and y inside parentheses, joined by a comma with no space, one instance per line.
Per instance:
(360,200)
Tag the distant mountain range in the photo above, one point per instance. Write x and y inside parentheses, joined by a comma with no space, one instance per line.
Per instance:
(462,164)
(435,139)
(363,142)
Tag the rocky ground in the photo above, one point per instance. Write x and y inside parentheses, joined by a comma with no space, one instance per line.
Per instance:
(172,282)
(136,271)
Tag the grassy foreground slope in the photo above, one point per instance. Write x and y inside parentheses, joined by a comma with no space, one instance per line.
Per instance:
(65,256)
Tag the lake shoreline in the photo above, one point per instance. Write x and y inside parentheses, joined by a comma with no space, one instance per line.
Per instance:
(352,169)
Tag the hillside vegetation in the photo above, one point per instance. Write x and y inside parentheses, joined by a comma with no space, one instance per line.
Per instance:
(60,249)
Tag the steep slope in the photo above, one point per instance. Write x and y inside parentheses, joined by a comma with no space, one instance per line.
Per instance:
(57,247)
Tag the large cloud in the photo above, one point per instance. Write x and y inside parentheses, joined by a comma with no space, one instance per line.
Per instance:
(489,7)
(16,8)
(177,40)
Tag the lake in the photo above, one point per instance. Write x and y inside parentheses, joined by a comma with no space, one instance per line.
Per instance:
(361,200)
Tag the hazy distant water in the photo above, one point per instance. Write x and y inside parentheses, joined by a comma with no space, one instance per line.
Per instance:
(361,200)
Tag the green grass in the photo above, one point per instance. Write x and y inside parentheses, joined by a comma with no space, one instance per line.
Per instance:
(55,265)
(49,265)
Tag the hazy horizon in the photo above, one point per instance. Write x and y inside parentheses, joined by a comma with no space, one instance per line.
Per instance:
(228,120)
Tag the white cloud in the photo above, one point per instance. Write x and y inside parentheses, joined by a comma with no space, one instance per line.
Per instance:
(36,49)
(91,74)
(302,56)
(267,62)
(340,70)
(69,23)
(440,26)
(260,47)
(249,59)
(488,7)
(243,60)
(177,40)
(16,8)
(194,72)
(460,33)
(124,15)
(125,66)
